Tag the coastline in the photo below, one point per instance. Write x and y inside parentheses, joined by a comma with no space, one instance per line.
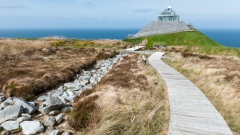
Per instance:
(226,37)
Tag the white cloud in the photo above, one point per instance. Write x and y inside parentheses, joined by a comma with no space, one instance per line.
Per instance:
(125,13)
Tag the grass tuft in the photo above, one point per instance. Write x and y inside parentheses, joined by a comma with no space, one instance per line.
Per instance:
(82,116)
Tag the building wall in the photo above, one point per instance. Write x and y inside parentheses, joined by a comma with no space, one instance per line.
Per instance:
(168,18)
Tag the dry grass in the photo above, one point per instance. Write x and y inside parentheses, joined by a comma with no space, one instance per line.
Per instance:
(30,67)
(219,79)
(187,54)
(112,43)
(131,100)
(85,109)
(19,46)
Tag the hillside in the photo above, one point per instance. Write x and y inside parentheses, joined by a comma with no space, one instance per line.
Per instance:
(195,38)
(193,42)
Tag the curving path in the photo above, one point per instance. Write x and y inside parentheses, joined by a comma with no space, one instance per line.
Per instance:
(191,113)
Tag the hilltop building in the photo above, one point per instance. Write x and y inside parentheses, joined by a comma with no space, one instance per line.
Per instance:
(168,22)
(168,15)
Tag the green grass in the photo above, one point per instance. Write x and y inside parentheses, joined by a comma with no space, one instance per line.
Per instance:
(134,40)
(195,42)
(195,38)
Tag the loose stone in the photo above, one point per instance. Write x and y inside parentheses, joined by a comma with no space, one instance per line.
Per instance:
(52,113)
(31,127)
(59,118)
(54,132)
(66,109)
(50,121)
(10,113)
(10,125)
(21,119)
(49,130)
(26,115)
(28,108)
(2,98)
(53,103)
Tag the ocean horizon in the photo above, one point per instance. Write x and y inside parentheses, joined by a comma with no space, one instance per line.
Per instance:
(226,37)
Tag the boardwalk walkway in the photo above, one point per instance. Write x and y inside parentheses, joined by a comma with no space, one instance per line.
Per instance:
(191,113)
(134,48)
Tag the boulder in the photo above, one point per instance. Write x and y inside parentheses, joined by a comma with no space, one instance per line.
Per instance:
(53,103)
(10,125)
(27,107)
(50,121)
(31,127)
(21,119)
(59,118)
(10,113)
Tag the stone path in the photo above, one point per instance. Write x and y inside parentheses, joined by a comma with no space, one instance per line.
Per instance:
(190,110)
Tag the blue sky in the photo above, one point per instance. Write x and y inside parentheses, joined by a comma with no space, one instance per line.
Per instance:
(115,13)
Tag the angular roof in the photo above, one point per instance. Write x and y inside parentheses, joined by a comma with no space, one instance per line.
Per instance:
(168,11)
(162,27)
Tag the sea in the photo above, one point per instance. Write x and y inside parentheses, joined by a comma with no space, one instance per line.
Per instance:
(226,37)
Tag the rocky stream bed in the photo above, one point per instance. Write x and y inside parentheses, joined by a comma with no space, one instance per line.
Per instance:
(48,114)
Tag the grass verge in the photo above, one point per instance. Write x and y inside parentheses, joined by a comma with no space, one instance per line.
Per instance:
(131,100)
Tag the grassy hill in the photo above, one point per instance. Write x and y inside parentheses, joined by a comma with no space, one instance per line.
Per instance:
(195,38)
(195,42)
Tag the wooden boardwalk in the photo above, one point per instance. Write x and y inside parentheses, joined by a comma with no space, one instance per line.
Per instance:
(191,113)
(134,48)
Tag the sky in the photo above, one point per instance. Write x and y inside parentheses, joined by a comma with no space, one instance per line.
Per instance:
(115,13)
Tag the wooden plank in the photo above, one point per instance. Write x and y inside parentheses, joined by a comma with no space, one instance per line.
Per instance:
(190,110)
